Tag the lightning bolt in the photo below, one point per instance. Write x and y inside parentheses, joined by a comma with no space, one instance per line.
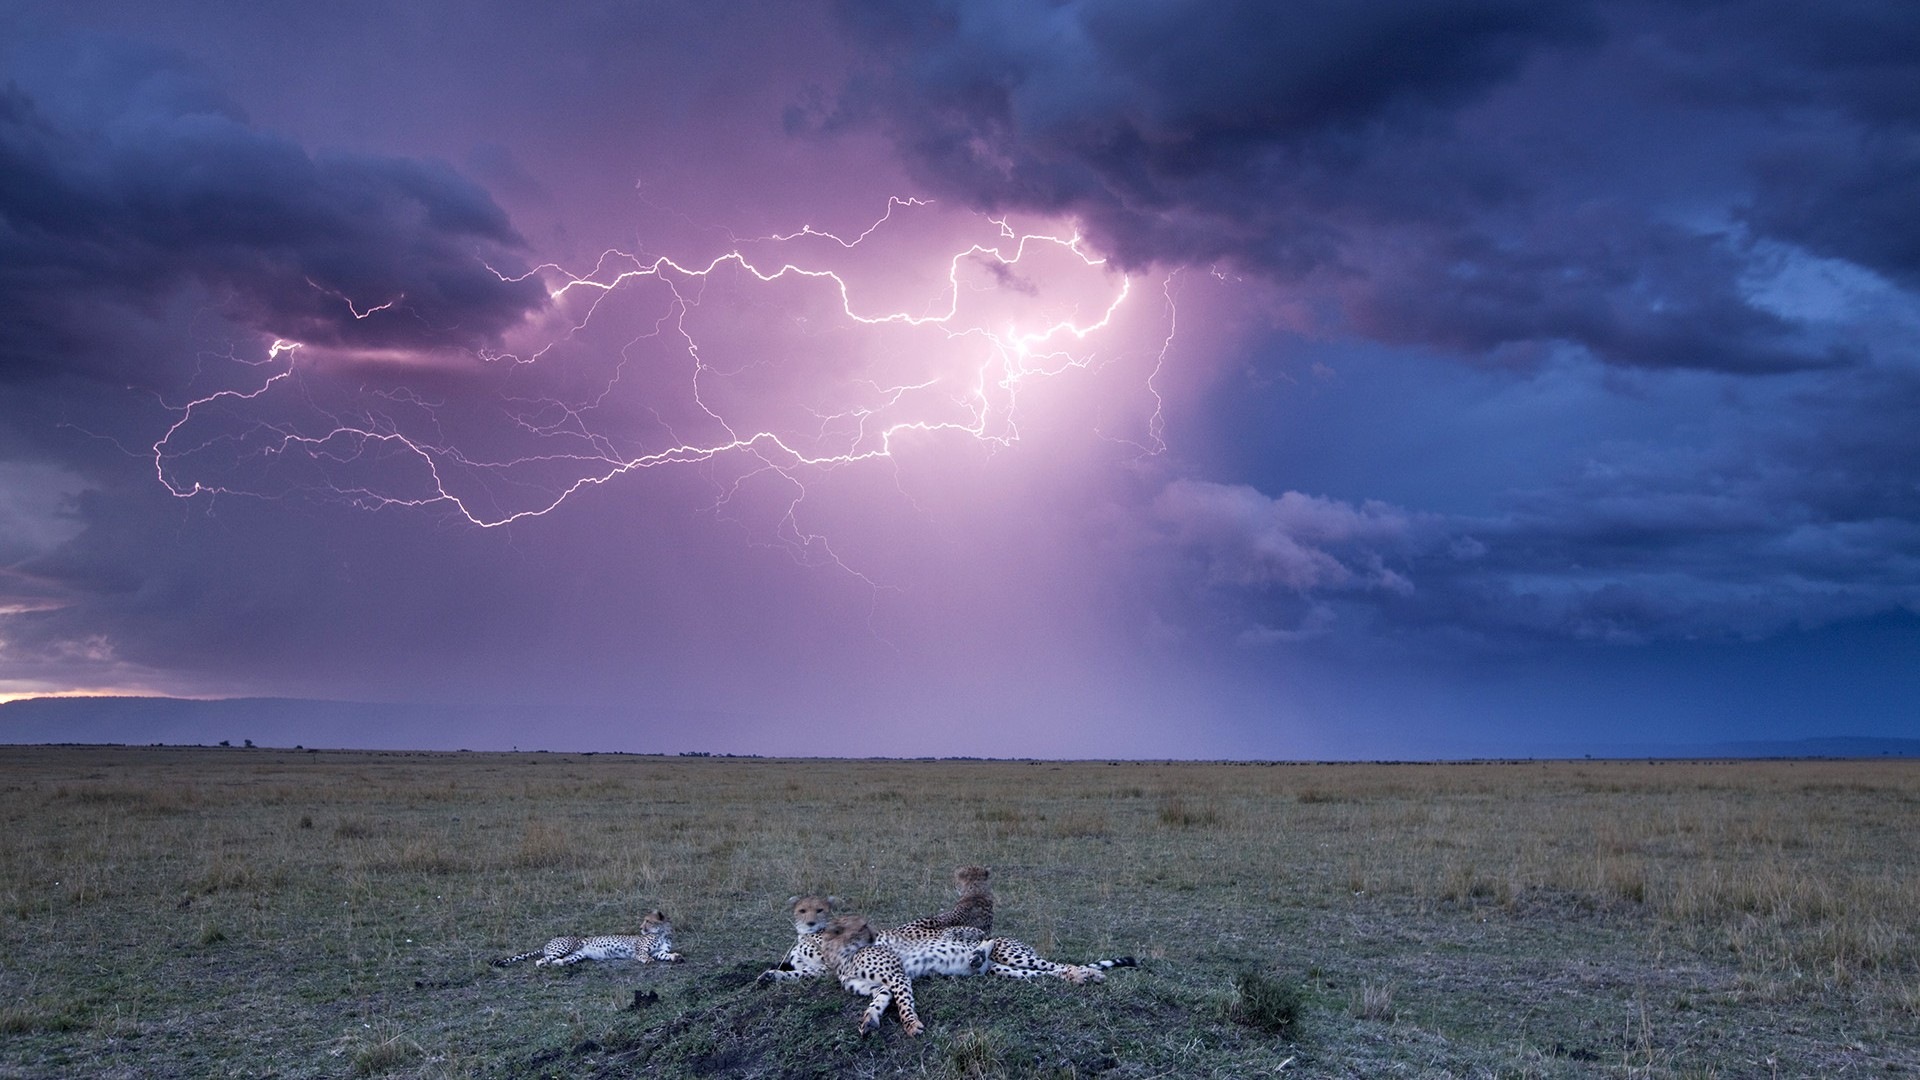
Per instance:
(952,365)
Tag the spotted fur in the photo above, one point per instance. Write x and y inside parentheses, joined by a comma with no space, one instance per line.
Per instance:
(957,950)
(1009,957)
(804,961)
(853,953)
(942,944)
(653,942)
(973,908)
(922,951)
(1014,959)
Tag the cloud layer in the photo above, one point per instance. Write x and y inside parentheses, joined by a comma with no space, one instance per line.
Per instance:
(143,184)
(1422,165)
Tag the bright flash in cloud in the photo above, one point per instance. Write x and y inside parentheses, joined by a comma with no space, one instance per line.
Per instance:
(781,357)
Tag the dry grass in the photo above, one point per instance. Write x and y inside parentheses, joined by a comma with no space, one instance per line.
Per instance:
(205,912)
(1372,1002)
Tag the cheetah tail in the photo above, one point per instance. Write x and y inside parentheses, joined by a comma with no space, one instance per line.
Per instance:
(505,960)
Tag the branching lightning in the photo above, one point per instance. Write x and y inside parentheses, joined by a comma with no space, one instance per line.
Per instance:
(953,367)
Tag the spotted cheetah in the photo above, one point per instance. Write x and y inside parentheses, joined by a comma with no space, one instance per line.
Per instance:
(810,916)
(922,951)
(956,950)
(653,942)
(927,947)
(974,907)
(853,953)
(1010,957)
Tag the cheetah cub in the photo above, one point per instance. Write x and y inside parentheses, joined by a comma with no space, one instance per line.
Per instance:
(653,942)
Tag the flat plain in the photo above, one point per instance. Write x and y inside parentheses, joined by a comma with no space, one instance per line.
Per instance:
(194,912)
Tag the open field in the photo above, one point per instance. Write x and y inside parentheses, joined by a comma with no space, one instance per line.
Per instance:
(242,912)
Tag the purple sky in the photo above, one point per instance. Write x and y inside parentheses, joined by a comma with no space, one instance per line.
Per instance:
(1435,378)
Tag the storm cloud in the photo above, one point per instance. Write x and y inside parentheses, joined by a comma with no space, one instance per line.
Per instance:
(143,184)
(1423,166)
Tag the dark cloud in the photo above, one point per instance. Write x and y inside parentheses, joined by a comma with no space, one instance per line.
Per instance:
(1634,292)
(1839,85)
(1342,149)
(1847,195)
(1854,58)
(1801,513)
(1187,131)
(131,182)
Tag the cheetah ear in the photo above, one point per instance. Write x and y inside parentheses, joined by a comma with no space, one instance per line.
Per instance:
(792,900)
(835,901)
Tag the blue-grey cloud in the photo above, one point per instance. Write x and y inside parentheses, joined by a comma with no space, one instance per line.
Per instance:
(1303,543)
(127,181)
(1802,512)
(1347,150)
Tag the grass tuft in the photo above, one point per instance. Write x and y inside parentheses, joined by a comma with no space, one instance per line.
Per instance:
(352,828)
(1264,1003)
(1177,811)
(1372,1002)
(543,845)
(28,1018)
(976,1054)
(387,1053)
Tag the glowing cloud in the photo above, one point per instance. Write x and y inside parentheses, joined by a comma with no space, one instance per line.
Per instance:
(781,357)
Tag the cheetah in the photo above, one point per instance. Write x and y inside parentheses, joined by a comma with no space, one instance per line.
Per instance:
(929,947)
(974,907)
(1010,957)
(653,942)
(810,916)
(922,951)
(956,950)
(852,952)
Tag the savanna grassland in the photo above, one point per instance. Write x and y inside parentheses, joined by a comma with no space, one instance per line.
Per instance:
(253,912)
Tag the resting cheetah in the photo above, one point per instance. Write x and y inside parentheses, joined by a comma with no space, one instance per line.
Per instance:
(810,916)
(925,949)
(974,908)
(922,951)
(852,952)
(1010,957)
(653,942)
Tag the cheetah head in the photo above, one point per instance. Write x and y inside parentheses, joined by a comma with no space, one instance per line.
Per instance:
(656,919)
(845,935)
(972,880)
(811,913)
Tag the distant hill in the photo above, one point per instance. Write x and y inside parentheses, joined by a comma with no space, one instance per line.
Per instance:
(368,725)
(1835,746)
(184,721)
(288,722)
